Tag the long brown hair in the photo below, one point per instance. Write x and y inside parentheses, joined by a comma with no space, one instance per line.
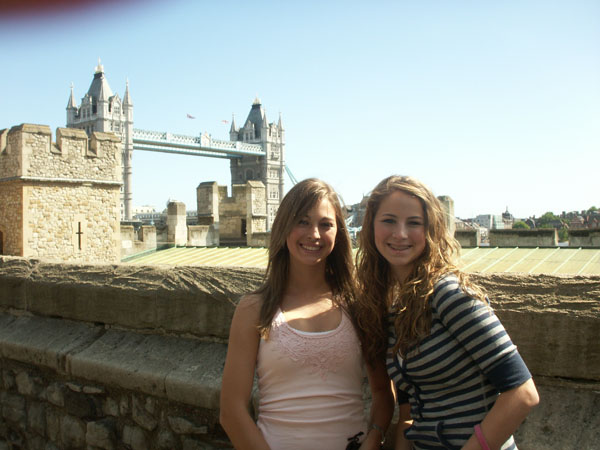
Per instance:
(379,291)
(339,268)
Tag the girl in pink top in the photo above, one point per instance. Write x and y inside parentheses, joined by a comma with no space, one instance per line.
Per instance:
(296,333)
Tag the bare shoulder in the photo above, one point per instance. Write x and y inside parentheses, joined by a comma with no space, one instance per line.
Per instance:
(248,310)
(250,303)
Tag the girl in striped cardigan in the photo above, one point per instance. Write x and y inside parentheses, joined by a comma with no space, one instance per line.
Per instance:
(460,382)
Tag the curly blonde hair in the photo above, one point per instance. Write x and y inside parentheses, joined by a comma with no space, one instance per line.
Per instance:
(379,291)
(339,268)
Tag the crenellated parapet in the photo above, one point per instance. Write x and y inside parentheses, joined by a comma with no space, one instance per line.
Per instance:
(27,151)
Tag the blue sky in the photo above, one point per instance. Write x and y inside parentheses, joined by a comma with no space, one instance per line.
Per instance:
(494,103)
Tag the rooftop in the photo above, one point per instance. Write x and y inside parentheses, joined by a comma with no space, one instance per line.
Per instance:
(554,260)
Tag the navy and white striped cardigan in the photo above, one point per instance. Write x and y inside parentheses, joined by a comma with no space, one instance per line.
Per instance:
(452,377)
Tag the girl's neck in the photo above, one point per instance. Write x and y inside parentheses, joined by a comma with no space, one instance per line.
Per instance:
(307,279)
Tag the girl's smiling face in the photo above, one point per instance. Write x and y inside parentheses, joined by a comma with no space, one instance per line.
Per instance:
(399,232)
(313,237)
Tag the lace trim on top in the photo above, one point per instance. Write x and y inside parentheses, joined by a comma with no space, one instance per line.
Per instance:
(321,352)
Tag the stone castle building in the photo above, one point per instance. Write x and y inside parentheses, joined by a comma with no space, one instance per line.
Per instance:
(59,200)
(101,110)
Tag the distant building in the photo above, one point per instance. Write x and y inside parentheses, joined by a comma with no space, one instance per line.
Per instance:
(490,221)
(507,219)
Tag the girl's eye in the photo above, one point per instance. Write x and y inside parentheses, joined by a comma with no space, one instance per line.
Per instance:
(388,221)
(303,222)
(415,223)
(327,224)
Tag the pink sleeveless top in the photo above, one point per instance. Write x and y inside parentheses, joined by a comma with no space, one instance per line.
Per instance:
(310,387)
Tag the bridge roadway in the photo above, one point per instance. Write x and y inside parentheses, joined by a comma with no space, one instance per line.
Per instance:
(203,145)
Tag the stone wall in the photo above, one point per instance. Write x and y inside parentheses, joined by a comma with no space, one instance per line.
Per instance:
(11,217)
(468,238)
(539,237)
(137,241)
(584,238)
(202,236)
(116,356)
(232,215)
(75,222)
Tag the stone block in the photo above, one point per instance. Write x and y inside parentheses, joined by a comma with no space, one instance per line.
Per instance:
(36,418)
(25,384)
(101,434)
(51,446)
(190,443)
(135,438)
(166,440)
(140,416)
(53,424)
(183,425)
(36,443)
(197,379)
(42,341)
(110,407)
(8,378)
(55,394)
(72,432)
(81,405)
(13,408)
(124,405)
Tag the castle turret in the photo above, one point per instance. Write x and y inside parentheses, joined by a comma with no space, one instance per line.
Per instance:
(127,154)
(269,168)
(101,110)
(71,107)
(233,131)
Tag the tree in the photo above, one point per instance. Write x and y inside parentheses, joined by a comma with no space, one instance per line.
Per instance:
(563,235)
(520,224)
(547,220)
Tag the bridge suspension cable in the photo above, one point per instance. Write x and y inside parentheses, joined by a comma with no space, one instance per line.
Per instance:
(291,175)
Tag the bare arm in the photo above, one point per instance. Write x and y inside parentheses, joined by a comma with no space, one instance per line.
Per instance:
(404,421)
(382,405)
(238,377)
(506,415)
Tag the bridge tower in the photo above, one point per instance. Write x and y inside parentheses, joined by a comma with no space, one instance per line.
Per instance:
(100,110)
(269,168)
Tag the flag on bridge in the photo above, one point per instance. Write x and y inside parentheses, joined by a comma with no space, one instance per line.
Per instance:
(189,116)
(225,121)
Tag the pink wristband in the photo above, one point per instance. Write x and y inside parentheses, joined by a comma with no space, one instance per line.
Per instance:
(481,438)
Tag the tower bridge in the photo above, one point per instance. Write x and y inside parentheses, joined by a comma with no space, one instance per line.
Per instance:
(256,150)
(203,145)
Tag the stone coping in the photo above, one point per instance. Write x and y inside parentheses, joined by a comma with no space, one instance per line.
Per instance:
(552,319)
(179,369)
(188,301)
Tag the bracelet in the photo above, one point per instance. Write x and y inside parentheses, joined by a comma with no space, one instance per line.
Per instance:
(481,438)
(376,427)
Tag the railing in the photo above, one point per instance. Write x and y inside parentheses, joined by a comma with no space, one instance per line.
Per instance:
(203,145)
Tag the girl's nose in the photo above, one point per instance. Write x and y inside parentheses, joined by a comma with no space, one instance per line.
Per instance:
(399,231)
(314,233)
